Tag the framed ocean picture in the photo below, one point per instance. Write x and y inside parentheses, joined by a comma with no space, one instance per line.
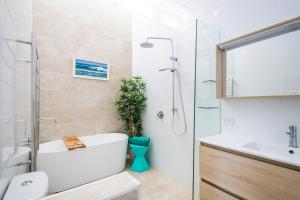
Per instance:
(83,68)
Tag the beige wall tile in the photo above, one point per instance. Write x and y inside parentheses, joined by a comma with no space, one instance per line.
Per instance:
(98,31)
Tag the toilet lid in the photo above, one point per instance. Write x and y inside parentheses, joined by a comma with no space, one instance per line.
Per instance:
(32,185)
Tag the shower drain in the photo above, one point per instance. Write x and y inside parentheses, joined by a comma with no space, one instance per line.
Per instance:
(26,183)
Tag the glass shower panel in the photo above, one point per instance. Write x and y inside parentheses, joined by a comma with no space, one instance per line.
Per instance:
(15,87)
(207,107)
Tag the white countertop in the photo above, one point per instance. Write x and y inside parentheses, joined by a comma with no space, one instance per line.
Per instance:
(271,151)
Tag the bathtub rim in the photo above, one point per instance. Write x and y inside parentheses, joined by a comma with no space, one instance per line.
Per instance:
(62,148)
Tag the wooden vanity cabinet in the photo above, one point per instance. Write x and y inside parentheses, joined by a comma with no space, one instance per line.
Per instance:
(228,175)
(209,192)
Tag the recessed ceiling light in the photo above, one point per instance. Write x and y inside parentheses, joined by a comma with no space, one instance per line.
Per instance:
(216,12)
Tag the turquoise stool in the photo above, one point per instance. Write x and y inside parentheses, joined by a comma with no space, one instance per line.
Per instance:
(140,163)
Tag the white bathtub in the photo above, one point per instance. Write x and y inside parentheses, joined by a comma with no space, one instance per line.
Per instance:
(105,155)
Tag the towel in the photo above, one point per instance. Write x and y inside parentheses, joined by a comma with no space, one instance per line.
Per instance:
(143,141)
(73,142)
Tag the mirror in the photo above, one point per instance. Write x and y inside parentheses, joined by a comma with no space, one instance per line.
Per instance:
(263,66)
(267,68)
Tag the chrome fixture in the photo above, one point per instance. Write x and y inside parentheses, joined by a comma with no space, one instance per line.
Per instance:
(293,136)
(164,69)
(26,141)
(28,162)
(172,69)
(35,100)
(24,61)
(174,59)
(160,114)
(49,119)
(147,44)
(18,41)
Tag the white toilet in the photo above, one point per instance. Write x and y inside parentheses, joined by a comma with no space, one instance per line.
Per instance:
(28,186)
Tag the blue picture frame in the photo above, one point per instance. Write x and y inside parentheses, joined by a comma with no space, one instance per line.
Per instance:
(83,68)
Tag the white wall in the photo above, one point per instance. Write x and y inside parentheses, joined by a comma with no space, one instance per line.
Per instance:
(169,153)
(258,118)
(265,119)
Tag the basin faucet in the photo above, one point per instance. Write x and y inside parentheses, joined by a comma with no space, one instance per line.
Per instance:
(292,136)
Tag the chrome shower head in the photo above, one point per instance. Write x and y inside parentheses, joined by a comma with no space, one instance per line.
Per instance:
(146,45)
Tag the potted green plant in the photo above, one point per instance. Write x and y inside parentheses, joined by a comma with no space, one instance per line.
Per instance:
(131,103)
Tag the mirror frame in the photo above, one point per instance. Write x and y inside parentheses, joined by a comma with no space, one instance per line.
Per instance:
(256,36)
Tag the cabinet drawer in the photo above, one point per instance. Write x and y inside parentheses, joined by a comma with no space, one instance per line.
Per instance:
(248,178)
(208,192)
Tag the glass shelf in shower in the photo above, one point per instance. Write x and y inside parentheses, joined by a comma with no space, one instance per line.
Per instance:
(208,81)
(208,107)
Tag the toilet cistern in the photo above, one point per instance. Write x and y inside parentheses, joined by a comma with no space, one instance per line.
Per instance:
(28,186)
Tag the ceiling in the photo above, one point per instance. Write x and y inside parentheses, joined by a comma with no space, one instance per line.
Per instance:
(231,17)
(235,17)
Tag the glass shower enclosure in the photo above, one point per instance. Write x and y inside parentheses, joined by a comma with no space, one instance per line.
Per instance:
(207,108)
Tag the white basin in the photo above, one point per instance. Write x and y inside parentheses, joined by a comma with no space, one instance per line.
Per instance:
(273,150)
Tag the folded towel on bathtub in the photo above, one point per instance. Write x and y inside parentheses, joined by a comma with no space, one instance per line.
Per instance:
(73,142)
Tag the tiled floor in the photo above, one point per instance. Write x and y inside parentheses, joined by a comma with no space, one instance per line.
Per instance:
(158,186)
(155,186)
